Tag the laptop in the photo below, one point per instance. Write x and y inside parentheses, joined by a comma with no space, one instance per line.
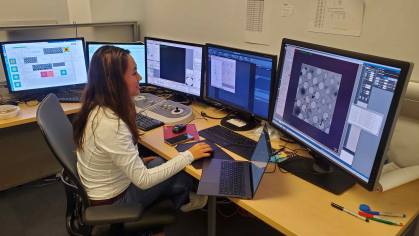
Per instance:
(236,178)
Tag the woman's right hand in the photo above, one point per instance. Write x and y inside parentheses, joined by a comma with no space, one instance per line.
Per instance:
(200,150)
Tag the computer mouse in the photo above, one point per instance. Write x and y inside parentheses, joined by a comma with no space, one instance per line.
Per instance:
(178,129)
(211,153)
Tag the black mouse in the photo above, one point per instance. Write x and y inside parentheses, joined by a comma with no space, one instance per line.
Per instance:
(211,153)
(178,129)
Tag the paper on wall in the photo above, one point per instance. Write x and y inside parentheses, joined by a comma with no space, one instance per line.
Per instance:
(258,18)
(392,176)
(337,17)
(286,10)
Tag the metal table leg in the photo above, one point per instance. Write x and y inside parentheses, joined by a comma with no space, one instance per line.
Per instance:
(212,213)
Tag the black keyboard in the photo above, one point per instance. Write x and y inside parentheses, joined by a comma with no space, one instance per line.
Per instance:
(146,123)
(231,140)
(232,178)
(68,97)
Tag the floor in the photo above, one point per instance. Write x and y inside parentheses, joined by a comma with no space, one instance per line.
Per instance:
(33,211)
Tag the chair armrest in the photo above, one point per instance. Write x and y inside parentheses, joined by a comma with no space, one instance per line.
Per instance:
(113,214)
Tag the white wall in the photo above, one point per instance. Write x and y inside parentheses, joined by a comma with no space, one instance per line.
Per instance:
(116,10)
(34,10)
(390,28)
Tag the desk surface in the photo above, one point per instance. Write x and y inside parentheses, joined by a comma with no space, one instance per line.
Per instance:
(27,113)
(296,207)
(287,203)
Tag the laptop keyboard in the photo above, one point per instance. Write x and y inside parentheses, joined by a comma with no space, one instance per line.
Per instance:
(232,178)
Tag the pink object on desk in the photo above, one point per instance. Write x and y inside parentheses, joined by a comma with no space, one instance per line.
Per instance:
(190,129)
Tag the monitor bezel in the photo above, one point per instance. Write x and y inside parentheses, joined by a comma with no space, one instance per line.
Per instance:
(406,69)
(273,78)
(34,41)
(201,91)
(88,43)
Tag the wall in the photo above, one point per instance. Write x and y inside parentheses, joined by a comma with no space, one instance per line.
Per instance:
(389,27)
(116,10)
(30,10)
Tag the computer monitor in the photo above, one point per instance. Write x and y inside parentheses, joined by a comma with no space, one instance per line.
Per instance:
(342,106)
(241,80)
(176,66)
(137,51)
(44,64)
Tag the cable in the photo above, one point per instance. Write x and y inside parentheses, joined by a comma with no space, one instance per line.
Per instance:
(203,114)
(26,103)
(237,209)
(288,141)
(74,22)
(30,186)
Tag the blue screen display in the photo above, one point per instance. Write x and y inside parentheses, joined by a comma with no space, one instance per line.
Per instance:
(240,80)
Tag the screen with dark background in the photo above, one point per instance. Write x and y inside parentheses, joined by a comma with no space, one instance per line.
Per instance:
(172,63)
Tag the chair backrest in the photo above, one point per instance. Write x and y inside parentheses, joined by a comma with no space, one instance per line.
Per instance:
(58,133)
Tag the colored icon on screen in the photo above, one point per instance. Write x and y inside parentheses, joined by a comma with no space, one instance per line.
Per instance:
(18,84)
(14,69)
(63,72)
(16,77)
(66,49)
(44,74)
(12,61)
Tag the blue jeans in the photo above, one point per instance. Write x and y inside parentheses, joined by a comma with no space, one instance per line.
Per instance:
(177,188)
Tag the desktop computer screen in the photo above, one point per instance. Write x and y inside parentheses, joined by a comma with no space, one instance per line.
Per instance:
(42,64)
(176,66)
(137,51)
(341,105)
(241,79)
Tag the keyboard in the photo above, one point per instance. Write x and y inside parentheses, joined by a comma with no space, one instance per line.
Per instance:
(68,97)
(146,123)
(232,179)
(231,140)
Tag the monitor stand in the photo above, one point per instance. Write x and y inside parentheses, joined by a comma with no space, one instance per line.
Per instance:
(319,173)
(239,122)
(181,99)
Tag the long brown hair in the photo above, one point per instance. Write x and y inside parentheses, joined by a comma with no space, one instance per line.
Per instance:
(106,87)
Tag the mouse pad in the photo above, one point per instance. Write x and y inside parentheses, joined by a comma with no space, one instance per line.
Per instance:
(218,153)
(190,129)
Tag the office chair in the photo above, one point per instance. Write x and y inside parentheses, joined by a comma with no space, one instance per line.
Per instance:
(81,218)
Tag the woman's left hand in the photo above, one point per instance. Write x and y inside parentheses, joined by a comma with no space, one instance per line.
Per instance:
(147,160)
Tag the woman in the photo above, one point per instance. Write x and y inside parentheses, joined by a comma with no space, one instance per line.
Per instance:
(105,132)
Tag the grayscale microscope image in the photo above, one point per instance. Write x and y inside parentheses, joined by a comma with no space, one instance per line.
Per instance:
(317,92)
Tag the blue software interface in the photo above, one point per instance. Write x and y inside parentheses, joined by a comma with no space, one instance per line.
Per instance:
(137,51)
(335,104)
(239,79)
(36,65)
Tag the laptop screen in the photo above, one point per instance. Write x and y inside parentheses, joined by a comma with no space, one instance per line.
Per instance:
(260,158)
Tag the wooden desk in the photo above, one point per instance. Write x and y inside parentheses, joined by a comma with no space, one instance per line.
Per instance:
(296,207)
(24,154)
(27,114)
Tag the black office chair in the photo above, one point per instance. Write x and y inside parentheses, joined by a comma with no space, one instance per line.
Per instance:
(81,218)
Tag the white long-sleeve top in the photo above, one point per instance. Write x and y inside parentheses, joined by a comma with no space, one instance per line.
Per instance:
(109,161)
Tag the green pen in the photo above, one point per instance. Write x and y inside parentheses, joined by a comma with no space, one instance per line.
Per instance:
(383,221)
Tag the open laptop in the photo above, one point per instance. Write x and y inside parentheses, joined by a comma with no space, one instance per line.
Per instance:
(236,178)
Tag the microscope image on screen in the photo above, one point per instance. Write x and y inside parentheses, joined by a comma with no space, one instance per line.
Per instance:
(316,96)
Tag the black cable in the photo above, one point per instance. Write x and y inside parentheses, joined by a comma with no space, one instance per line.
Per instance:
(288,141)
(26,103)
(203,114)
(30,186)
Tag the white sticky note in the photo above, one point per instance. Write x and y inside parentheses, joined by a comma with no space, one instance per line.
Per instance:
(286,10)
